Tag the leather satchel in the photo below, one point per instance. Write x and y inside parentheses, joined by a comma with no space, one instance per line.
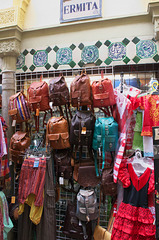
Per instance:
(18,144)
(71,227)
(57,133)
(108,186)
(103,94)
(18,107)
(101,233)
(58,91)
(62,159)
(80,91)
(87,176)
(38,93)
(81,129)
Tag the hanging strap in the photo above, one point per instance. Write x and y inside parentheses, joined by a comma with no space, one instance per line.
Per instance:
(95,163)
(103,144)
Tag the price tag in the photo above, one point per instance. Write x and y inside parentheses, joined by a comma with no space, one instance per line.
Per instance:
(14,123)
(80,224)
(37,112)
(100,154)
(61,180)
(36,163)
(13,199)
(156,133)
(83,130)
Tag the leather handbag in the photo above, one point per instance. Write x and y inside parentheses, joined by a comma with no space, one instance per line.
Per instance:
(103,94)
(71,227)
(105,136)
(38,93)
(18,107)
(101,233)
(62,159)
(57,133)
(18,144)
(108,186)
(58,91)
(87,176)
(82,128)
(80,91)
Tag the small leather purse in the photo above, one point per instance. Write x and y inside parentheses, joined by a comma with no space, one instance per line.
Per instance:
(101,233)
(108,186)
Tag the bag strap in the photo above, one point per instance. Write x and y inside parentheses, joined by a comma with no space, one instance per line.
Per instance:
(103,143)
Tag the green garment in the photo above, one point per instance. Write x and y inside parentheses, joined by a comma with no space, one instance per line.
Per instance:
(138,139)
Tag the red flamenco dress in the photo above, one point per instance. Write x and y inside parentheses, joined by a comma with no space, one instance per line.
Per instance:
(134,220)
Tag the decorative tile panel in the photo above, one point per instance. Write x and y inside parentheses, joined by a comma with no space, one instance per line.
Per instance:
(64,56)
(20,61)
(90,54)
(146,49)
(117,51)
(40,58)
(106,52)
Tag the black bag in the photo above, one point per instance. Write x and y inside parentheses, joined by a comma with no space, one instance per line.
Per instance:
(71,227)
(82,128)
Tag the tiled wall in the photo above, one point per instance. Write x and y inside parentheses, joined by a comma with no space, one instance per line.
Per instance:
(100,53)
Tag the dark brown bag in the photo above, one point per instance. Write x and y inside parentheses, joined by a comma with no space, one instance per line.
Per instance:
(57,133)
(108,186)
(58,91)
(18,144)
(87,176)
(62,159)
(80,91)
(71,227)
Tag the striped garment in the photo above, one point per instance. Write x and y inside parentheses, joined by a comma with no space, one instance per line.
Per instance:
(32,180)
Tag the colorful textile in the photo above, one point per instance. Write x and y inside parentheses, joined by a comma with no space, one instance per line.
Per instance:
(150,103)
(4,163)
(32,180)
(134,219)
(8,225)
(148,146)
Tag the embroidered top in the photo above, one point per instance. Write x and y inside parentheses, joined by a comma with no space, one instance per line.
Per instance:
(150,103)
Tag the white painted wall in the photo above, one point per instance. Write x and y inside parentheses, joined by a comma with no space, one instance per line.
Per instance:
(6,4)
(46,13)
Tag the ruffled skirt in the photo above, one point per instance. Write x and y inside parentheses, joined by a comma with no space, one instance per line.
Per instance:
(133,223)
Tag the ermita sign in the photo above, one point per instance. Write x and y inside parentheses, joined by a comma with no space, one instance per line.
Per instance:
(72,10)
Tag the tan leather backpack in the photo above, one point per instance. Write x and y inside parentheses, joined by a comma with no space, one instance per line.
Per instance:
(80,91)
(57,133)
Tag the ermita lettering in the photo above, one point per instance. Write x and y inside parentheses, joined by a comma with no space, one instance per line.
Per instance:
(82,7)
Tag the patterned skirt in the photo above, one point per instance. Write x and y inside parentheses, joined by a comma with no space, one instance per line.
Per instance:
(133,223)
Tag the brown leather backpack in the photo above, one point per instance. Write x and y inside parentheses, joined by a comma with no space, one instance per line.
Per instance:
(80,91)
(57,133)
(103,94)
(38,93)
(18,144)
(58,91)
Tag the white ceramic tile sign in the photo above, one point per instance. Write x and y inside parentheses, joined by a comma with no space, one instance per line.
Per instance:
(73,10)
